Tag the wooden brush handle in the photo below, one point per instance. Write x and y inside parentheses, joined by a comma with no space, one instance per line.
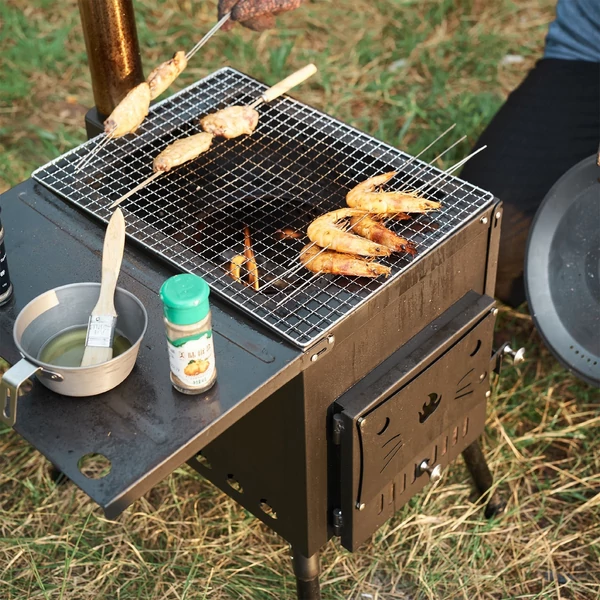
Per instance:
(289,82)
(112,256)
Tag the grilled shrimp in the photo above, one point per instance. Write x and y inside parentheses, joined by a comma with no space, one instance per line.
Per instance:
(317,260)
(129,113)
(325,232)
(181,151)
(364,197)
(375,231)
(165,74)
(231,122)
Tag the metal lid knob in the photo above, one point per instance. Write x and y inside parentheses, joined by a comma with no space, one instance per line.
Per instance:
(518,356)
(435,473)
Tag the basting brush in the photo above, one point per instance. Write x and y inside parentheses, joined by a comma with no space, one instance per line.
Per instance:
(103,320)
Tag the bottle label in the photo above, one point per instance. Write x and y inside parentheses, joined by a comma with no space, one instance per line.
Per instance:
(193,361)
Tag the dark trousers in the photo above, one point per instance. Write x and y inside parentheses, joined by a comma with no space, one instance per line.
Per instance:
(547,125)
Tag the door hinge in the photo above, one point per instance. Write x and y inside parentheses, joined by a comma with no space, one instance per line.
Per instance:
(338,522)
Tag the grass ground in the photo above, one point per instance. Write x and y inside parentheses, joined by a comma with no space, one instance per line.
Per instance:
(403,70)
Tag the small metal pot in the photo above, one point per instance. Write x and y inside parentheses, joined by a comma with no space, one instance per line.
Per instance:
(57,311)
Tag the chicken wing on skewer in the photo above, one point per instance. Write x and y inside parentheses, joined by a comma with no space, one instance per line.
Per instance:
(165,74)
(181,151)
(129,113)
(231,122)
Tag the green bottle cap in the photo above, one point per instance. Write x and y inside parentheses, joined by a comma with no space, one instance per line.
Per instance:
(185,299)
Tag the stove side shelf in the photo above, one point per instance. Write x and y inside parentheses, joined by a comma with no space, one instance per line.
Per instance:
(144,427)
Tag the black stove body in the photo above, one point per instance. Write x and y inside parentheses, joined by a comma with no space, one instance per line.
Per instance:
(334,406)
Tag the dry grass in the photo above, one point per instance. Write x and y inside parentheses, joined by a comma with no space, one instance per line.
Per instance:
(404,73)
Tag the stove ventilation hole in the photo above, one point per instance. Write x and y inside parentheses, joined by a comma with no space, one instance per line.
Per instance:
(429,407)
(385,426)
(267,509)
(402,484)
(94,466)
(455,436)
(203,461)
(465,427)
(445,446)
(477,346)
(381,503)
(235,484)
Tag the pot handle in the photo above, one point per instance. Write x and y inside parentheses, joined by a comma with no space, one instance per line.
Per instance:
(10,383)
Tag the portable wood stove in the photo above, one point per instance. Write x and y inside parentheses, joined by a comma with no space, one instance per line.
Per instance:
(337,399)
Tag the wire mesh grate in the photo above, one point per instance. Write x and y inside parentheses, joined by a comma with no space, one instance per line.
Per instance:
(298,164)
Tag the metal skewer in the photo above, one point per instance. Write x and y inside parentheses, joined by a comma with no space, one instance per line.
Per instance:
(208,35)
(103,141)
(270,94)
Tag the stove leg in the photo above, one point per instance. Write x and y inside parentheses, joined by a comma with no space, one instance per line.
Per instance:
(307,575)
(480,472)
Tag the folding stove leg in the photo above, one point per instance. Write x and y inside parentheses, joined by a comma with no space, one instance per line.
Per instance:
(307,575)
(480,472)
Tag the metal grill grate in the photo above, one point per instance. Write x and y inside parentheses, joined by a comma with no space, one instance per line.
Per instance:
(297,165)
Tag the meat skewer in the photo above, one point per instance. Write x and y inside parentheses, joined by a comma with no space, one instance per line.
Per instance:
(233,121)
(297,268)
(314,251)
(196,145)
(130,113)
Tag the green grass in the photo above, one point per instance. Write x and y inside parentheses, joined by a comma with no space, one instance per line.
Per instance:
(402,70)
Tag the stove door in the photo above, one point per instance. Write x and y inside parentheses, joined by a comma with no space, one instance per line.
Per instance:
(427,402)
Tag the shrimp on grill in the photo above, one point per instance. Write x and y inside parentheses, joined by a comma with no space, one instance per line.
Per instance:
(318,260)
(129,113)
(165,74)
(181,151)
(325,232)
(375,231)
(365,197)
(231,122)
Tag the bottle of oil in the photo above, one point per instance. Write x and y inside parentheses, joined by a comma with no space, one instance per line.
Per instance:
(188,324)
(6,288)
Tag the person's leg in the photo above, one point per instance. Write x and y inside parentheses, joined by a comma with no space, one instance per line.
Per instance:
(547,125)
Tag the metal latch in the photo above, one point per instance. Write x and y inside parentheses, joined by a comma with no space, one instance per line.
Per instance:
(314,353)
(435,473)
(518,356)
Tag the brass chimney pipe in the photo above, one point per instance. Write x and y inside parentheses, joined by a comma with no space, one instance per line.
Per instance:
(112,48)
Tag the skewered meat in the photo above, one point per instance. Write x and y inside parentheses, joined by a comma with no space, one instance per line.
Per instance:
(181,151)
(375,231)
(365,197)
(251,261)
(165,74)
(235,267)
(129,113)
(325,232)
(231,122)
(318,260)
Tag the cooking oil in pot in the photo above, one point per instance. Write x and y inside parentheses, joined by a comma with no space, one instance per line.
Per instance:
(66,349)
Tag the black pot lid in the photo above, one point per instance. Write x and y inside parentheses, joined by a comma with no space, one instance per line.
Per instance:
(562,270)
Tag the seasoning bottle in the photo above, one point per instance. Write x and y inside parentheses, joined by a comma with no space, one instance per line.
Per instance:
(6,288)
(188,325)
